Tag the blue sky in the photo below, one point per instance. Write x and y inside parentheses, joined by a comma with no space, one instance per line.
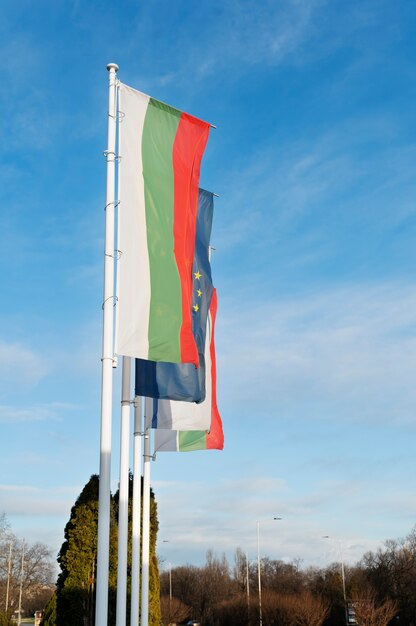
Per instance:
(314,160)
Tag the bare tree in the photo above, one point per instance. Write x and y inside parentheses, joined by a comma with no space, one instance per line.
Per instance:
(302,609)
(240,569)
(309,610)
(38,570)
(173,611)
(370,612)
(277,609)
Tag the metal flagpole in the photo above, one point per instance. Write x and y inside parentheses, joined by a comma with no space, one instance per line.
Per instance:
(259,573)
(137,488)
(103,548)
(123,503)
(343,581)
(8,576)
(19,619)
(248,586)
(146,526)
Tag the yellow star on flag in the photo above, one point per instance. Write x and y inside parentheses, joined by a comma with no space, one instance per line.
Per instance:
(195,307)
(199,292)
(197,275)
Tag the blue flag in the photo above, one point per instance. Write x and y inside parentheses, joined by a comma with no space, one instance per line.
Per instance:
(183,381)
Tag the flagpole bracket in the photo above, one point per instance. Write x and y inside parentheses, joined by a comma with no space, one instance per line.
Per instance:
(115,204)
(119,116)
(113,359)
(116,256)
(111,156)
(109,298)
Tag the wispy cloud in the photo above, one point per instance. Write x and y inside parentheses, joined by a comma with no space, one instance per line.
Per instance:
(352,347)
(228,521)
(233,37)
(30,500)
(277,197)
(36,413)
(264,35)
(20,365)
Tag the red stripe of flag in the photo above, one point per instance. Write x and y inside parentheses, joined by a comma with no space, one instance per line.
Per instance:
(188,148)
(215,436)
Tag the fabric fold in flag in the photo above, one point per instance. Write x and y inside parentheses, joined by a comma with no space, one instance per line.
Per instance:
(186,440)
(161,150)
(169,414)
(183,381)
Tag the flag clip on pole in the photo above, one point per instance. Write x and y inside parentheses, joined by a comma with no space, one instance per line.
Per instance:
(123,506)
(103,547)
(136,506)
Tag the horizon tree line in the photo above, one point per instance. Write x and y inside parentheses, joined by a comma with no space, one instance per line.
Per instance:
(380,587)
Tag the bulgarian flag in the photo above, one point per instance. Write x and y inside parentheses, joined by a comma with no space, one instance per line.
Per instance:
(161,150)
(188,438)
(191,440)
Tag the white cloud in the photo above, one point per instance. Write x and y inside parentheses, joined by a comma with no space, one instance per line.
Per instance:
(36,413)
(352,347)
(266,34)
(38,514)
(195,517)
(19,488)
(237,35)
(356,174)
(20,366)
(32,501)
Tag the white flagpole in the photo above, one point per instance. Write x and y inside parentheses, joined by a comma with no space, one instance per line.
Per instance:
(123,504)
(103,548)
(146,526)
(137,488)
(8,576)
(19,619)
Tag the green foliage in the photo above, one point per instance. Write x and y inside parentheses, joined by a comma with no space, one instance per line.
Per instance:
(6,619)
(75,595)
(49,616)
(154,579)
(77,558)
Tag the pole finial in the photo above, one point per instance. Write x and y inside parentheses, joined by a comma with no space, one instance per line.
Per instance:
(112,66)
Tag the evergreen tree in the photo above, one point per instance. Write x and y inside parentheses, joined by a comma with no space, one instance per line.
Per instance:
(75,601)
(75,590)
(154,579)
(49,616)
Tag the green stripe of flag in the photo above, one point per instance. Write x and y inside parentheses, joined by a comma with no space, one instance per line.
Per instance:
(189,440)
(165,304)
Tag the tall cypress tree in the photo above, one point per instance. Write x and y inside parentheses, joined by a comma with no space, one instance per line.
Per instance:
(75,589)
(75,601)
(154,578)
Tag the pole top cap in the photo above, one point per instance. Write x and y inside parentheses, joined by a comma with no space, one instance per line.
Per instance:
(112,66)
